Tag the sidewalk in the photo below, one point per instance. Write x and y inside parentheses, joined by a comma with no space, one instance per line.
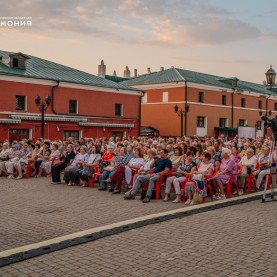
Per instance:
(233,241)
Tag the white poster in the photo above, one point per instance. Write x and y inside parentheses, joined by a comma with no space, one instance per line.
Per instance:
(247,132)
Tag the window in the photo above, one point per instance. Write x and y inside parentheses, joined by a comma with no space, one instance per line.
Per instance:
(242,122)
(15,62)
(201,97)
(243,102)
(260,104)
(165,96)
(275,106)
(222,122)
(201,121)
(18,134)
(118,109)
(144,98)
(72,106)
(259,125)
(71,134)
(20,102)
(117,134)
(224,99)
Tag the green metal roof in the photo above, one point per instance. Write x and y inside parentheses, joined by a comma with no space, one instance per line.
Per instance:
(180,75)
(116,78)
(44,69)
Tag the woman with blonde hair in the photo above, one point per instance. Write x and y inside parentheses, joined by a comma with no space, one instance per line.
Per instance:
(222,177)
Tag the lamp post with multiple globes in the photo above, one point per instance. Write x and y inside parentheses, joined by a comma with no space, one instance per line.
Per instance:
(42,108)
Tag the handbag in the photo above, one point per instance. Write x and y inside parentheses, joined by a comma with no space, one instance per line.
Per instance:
(87,171)
(109,168)
(197,198)
(102,165)
(198,177)
(4,158)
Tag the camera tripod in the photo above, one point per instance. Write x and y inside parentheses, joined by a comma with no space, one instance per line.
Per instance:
(271,170)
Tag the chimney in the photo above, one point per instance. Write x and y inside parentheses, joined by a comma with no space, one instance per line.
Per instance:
(135,73)
(102,69)
(148,70)
(162,68)
(127,73)
(235,82)
(114,73)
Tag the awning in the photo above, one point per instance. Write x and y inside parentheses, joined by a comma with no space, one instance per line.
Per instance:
(48,118)
(148,131)
(103,124)
(226,129)
(9,121)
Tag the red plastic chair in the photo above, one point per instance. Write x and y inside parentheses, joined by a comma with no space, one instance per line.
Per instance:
(183,184)
(208,185)
(250,179)
(161,181)
(230,183)
(134,172)
(30,167)
(95,176)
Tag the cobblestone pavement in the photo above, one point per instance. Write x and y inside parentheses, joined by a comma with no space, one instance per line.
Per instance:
(33,210)
(235,241)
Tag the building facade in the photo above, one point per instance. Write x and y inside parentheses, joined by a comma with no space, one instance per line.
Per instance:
(83,105)
(209,105)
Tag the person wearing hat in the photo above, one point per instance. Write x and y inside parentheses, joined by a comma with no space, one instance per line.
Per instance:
(4,156)
(155,144)
(14,157)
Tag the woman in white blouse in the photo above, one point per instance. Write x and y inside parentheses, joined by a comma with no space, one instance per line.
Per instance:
(126,171)
(70,171)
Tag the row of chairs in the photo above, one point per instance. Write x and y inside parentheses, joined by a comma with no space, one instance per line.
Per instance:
(232,184)
(229,186)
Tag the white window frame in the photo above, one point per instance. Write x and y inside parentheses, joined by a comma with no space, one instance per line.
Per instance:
(144,98)
(165,97)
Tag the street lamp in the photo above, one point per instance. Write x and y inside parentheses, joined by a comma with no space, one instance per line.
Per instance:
(182,114)
(270,81)
(42,108)
(270,77)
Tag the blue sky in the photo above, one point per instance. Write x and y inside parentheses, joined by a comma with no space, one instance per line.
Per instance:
(221,37)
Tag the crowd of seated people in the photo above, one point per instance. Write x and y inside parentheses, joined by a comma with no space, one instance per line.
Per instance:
(139,163)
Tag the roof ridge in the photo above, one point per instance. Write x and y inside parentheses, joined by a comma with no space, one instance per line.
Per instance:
(46,69)
(178,73)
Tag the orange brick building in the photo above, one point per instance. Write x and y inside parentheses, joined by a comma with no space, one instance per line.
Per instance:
(83,105)
(211,105)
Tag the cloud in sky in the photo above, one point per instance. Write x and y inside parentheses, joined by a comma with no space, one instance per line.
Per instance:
(155,22)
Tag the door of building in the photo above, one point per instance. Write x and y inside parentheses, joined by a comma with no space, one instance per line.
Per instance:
(18,134)
(117,134)
(73,134)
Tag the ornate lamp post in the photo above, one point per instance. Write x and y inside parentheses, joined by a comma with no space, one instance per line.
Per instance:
(270,77)
(182,114)
(270,81)
(42,108)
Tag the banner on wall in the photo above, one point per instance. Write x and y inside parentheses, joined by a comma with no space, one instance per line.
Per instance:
(247,132)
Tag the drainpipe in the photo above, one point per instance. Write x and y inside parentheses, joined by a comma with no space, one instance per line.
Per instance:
(232,111)
(52,96)
(266,105)
(186,107)
(139,119)
(266,114)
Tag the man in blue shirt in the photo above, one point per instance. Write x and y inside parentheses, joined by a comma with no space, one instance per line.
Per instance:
(162,166)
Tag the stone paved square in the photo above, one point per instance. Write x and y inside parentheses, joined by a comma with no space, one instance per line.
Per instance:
(234,241)
(33,210)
